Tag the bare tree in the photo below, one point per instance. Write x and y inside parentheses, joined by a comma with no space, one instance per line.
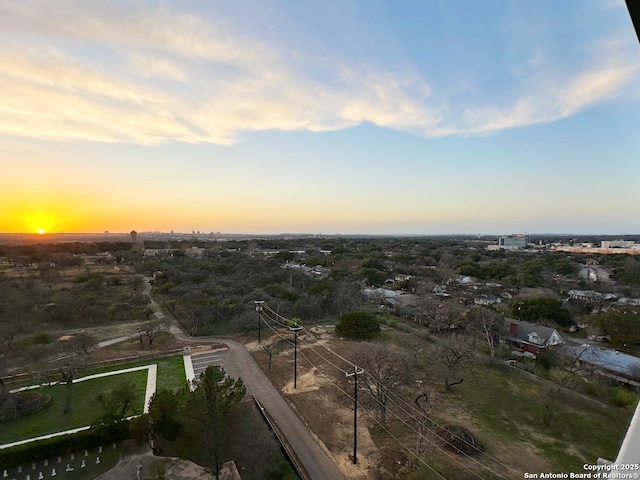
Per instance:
(13,322)
(453,352)
(38,356)
(384,370)
(422,402)
(271,347)
(488,325)
(151,330)
(70,366)
(415,345)
(82,343)
(440,314)
(67,373)
(196,316)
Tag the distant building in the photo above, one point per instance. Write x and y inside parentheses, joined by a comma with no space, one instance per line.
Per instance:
(487,299)
(618,244)
(513,242)
(590,295)
(137,245)
(440,291)
(401,278)
(315,272)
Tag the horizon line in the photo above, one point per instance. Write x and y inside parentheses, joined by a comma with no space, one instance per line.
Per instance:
(308,234)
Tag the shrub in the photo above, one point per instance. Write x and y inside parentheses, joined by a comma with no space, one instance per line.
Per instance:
(80,278)
(546,360)
(52,447)
(358,326)
(460,440)
(42,339)
(16,405)
(622,397)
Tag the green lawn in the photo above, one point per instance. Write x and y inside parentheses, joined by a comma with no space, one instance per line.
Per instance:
(84,407)
(170,370)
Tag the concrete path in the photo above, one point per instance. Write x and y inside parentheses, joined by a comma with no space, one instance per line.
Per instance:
(188,368)
(150,390)
(113,341)
(152,378)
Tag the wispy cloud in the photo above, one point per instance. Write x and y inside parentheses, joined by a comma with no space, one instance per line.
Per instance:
(552,93)
(146,74)
(551,102)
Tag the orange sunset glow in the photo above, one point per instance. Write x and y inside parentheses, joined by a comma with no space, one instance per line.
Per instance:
(191,116)
(39,222)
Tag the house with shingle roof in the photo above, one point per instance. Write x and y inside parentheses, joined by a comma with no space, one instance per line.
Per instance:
(531,337)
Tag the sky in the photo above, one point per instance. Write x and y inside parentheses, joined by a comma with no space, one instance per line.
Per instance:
(333,116)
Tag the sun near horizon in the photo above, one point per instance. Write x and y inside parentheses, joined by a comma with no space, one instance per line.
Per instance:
(39,222)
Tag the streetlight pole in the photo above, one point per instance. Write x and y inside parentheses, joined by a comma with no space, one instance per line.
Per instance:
(259,311)
(357,371)
(295,329)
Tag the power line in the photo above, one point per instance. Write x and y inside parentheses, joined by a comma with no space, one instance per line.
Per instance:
(420,434)
(447,441)
(393,401)
(314,350)
(436,424)
(397,440)
(353,398)
(349,362)
(273,319)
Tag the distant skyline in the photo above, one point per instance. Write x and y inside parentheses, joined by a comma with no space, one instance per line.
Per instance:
(351,116)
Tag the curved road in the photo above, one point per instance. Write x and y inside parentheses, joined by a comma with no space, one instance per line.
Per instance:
(238,362)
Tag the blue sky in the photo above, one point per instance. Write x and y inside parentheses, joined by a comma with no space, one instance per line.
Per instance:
(373,116)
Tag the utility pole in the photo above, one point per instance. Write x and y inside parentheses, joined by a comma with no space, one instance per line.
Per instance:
(357,371)
(259,310)
(295,329)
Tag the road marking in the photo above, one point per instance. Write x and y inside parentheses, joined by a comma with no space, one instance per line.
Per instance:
(197,364)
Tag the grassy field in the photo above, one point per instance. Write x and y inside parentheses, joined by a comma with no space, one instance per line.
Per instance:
(84,407)
(518,421)
(171,375)
(170,370)
(524,424)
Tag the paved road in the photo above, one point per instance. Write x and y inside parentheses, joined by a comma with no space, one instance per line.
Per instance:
(238,362)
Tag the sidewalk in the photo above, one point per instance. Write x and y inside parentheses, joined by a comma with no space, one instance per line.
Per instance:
(150,390)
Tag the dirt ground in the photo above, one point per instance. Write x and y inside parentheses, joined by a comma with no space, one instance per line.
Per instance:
(173,468)
(322,400)
(319,401)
